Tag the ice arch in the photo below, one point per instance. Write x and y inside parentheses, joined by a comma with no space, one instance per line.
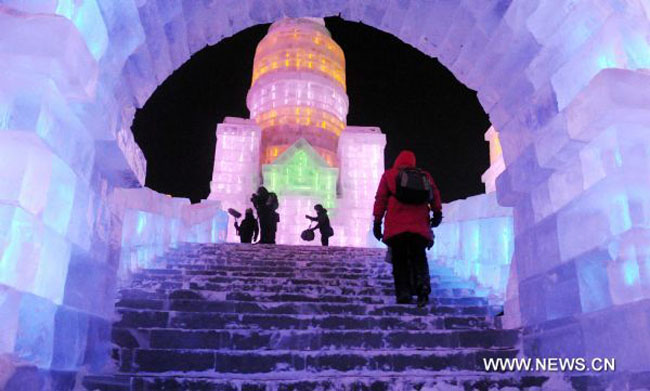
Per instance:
(563,81)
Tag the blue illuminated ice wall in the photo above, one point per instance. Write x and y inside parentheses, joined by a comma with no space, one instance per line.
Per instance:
(66,150)
(564,82)
(476,241)
(152,223)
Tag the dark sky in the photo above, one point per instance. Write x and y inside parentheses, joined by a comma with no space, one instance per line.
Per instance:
(415,101)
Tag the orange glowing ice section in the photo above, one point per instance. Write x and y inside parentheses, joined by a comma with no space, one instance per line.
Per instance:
(305,47)
(298,89)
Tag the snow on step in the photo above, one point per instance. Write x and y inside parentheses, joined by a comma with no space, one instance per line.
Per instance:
(265,318)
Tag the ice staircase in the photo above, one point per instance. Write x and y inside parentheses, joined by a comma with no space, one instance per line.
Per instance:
(229,317)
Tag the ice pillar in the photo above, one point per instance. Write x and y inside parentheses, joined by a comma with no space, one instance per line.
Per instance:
(236,172)
(361,157)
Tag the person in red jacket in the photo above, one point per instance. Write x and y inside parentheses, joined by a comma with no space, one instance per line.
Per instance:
(407,231)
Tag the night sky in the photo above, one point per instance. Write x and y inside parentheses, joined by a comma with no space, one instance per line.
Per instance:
(415,101)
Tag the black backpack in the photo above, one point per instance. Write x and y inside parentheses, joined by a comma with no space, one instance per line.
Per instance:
(413,187)
(272,201)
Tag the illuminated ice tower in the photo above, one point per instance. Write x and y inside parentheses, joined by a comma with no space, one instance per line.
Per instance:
(297,137)
(298,88)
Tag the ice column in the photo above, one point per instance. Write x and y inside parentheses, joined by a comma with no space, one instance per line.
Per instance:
(236,171)
(361,159)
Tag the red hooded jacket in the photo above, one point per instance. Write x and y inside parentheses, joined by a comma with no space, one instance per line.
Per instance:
(402,217)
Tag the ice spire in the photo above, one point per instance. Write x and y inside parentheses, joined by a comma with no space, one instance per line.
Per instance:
(298,88)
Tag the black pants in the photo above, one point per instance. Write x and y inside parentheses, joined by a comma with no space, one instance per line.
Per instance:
(410,265)
(324,240)
(267,231)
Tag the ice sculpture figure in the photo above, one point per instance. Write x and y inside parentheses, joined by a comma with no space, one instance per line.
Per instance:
(302,147)
(497,164)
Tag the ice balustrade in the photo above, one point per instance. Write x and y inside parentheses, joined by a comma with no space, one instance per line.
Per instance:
(152,223)
(476,241)
(563,83)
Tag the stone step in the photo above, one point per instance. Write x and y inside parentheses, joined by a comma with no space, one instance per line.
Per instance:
(233,283)
(312,340)
(261,296)
(230,317)
(175,274)
(235,362)
(130,318)
(387,278)
(120,383)
(273,278)
(379,381)
(327,290)
(341,259)
(239,307)
(152,279)
(273,271)
(279,288)
(235,259)
(271,297)
(288,268)
(306,261)
(206,249)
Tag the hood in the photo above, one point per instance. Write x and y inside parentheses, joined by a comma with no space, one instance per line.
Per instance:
(405,159)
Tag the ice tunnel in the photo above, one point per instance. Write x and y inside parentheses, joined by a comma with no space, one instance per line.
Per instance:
(566,84)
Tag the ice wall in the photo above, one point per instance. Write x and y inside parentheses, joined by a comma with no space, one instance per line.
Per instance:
(51,286)
(57,264)
(149,223)
(65,146)
(476,241)
(582,254)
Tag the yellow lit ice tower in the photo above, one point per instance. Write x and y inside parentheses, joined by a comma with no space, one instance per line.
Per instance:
(297,138)
(298,89)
